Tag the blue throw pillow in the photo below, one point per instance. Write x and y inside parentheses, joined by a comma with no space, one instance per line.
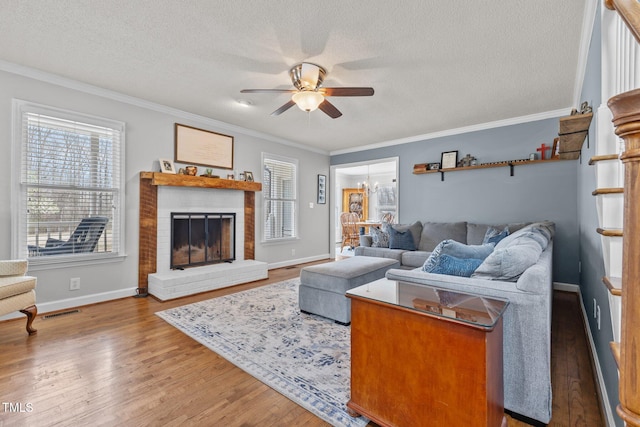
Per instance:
(401,239)
(460,250)
(447,264)
(493,235)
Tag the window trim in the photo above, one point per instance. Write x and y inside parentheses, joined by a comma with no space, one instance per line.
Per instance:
(281,240)
(17,201)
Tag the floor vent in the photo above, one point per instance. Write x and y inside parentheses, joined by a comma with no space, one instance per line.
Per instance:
(62,313)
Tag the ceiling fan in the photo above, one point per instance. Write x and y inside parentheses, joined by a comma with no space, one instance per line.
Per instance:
(309,94)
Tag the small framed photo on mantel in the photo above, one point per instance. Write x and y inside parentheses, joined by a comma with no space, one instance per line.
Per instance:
(166,166)
(449,159)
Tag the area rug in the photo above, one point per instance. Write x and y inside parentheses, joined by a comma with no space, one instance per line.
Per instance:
(306,358)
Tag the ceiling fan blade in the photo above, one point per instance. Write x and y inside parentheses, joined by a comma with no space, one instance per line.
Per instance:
(284,108)
(347,91)
(329,109)
(268,91)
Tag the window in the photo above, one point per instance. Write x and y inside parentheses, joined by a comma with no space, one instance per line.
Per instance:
(67,185)
(279,190)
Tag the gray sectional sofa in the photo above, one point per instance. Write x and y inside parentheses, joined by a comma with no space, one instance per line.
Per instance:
(527,320)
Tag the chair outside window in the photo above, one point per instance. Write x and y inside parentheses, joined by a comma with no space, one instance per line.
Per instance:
(83,240)
(350,236)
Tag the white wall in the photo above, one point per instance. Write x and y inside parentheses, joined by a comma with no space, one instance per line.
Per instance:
(149,136)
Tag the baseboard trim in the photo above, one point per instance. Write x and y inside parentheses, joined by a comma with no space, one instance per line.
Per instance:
(296,261)
(566,287)
(47,307)
(602,390)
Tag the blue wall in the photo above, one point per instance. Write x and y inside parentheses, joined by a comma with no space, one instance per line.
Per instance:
(591,285)
(536,192)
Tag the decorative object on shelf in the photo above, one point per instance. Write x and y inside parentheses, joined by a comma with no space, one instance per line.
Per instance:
(191,170)
(533,156)
(420,167)
(433,166)
(241,176)
(449,159)
(230,176)
(573,130)
(322,189)
(466,161)
(555,151)
(248,176)
(203,147)
(543,150)
(209,173)
(166,166)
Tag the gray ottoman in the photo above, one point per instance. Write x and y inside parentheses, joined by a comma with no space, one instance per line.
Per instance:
(322,287)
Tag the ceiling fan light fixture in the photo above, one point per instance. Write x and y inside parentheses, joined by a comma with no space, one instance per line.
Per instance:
(307,100)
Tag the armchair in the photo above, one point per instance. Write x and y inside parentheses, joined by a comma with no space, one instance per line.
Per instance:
(17,291)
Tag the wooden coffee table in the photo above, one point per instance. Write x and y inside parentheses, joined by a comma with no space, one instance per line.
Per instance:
(425,356)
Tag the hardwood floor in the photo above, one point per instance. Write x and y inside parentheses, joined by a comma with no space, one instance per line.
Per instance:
(116,363)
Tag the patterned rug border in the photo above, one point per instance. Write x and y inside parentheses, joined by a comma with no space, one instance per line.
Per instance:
(328,411)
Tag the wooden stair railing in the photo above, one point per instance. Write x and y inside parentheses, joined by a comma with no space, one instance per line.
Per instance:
(598,191)
(602,158)
(629,12)
(626,119)
(610,232)
(613,284)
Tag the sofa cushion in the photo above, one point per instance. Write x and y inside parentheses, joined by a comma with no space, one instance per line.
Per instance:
(379,237)
(380,252)
(447,264)
(460,250)
(512,259)
(476,232)
(414,259)
(494,235)
(415,228)
(435,232)
(543,233)
(401,239)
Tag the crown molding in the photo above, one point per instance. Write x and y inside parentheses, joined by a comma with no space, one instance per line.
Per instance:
(457,131)
(57,80)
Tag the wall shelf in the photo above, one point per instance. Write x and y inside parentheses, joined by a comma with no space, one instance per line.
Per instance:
(571,133)
(420,169)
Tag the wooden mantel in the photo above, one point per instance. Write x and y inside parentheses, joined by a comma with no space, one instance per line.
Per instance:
(175,180)
(148,226)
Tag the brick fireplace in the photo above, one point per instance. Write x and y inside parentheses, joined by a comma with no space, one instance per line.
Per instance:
(161,195)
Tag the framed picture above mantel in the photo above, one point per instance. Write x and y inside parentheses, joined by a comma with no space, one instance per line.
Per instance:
(202,147)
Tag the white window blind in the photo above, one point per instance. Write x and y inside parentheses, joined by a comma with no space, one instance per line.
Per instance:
(69,185)
(279,190)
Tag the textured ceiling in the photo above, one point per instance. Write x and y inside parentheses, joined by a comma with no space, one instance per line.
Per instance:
(434,65)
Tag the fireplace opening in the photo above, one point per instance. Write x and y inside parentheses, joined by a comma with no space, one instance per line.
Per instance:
(202,238)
